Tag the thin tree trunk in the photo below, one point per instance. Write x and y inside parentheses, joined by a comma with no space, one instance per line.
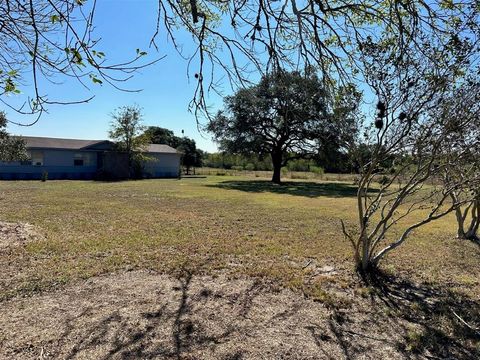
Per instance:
(460,223)
(471,233)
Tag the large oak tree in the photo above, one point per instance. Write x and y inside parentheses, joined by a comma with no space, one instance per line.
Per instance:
(284,116)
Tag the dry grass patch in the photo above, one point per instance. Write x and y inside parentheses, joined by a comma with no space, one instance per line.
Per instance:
(233,228)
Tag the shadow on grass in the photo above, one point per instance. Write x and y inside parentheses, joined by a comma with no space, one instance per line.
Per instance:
(435,322)
(298,188)
(422,322)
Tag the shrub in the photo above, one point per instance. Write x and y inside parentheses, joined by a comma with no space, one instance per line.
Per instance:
(384,180)
(250,167)
(299,175)
(317,170)
(237,168)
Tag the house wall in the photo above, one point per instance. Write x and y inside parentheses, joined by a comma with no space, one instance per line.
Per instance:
(162,165)
(59,164)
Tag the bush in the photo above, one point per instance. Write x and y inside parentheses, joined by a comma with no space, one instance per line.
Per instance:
(250,167)
(384,180)
(299,175)
(237,168)
(317,170)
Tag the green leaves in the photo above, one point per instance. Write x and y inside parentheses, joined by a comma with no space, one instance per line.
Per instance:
(95,80)
(141,53)
(9,83)
(98,54)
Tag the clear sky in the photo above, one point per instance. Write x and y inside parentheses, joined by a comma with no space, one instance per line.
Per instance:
(125,25)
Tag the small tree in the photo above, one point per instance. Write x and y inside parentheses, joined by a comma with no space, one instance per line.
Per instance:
(126,130)
(11,148)
(284,116)
(410,86)
(191,157)
(464,105)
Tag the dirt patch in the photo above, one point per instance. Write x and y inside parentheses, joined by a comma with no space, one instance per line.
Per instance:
(16,234)
(144,315)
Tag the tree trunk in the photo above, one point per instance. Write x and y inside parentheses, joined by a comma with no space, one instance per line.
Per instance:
(277,167)
(471,232)
(276,174)
(460,224)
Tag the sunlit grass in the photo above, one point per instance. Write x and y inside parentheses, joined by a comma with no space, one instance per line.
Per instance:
(206,225)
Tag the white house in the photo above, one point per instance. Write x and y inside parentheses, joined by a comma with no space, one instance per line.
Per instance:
(86,159)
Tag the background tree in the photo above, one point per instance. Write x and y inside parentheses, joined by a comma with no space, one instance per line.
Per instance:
(127,131)
(11,148)
(332,144)
(284,116)
(192,157)
(159,135)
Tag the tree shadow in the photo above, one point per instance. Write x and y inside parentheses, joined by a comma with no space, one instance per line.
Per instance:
(298,188)
(421,322)
(436,322)
(130,341)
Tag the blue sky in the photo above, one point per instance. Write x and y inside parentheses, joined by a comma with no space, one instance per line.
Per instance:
(125,25)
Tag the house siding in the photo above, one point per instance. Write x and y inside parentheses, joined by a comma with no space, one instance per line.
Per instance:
(162,165)
(59,164)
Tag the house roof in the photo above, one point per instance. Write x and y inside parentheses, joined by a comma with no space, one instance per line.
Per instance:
(160,148)
(35,142)
(56,143)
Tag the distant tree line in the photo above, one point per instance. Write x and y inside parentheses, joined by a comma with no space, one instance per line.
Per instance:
(337,162)
(224,160)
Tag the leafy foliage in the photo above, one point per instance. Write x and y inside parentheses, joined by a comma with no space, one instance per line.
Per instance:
(126,130)
(287,115)
(11,148)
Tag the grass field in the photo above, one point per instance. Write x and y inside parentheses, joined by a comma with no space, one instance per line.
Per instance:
(234,224)
(252,264)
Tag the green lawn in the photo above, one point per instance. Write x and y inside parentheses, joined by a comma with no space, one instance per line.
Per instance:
(235,224)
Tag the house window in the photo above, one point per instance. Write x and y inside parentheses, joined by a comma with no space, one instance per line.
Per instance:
(36,158)
(83,159)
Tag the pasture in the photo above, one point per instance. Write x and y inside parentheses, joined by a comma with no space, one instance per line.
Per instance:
(233,228)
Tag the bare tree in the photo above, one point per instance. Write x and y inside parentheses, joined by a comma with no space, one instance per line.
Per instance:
(463,105)
(234,41)
(48,40)
(411,87)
